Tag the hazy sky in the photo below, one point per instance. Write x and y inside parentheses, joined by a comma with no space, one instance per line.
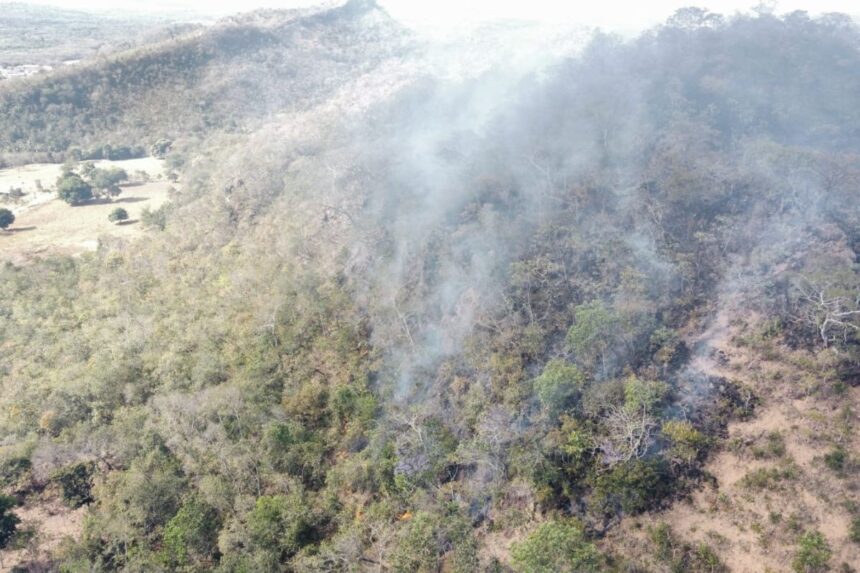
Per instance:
(613,14)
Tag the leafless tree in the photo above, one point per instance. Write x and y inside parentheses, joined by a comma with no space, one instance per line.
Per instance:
(629,433)
(834,315)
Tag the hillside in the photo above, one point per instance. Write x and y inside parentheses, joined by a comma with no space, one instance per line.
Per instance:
(435,308)
(225,77)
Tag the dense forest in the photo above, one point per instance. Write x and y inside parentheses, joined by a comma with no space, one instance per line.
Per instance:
(398,321)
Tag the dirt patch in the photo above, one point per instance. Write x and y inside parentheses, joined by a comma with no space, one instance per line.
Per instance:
(770,481)
(51,522)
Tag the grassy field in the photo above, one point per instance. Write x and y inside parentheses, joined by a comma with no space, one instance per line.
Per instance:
(45,226)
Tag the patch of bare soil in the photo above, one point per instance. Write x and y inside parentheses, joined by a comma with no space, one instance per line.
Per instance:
(51,522)
(770,481)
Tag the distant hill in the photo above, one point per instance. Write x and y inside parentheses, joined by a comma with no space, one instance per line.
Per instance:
(219,77)
(47,35)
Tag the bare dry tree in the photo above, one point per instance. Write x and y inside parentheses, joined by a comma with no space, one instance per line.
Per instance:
(833,315)
(628,436)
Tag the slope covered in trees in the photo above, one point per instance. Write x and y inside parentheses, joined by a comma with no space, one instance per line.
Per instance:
(446,324)
(218,78)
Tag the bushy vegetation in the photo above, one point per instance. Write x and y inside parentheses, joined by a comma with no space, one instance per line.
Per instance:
(813,554)
(374,345)
(118,215)
(557,547)
(7,217)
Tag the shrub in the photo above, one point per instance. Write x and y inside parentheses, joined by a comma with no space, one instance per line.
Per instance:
(556,547)
(7,217)
(854,530)
(8,520)
(835,460)
(686,440)
(118,215)
(813,553)
(682,557)
(76,483)
(768,478)
(13,469)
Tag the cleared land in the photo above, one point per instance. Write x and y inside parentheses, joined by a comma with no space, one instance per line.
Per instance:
(46,226)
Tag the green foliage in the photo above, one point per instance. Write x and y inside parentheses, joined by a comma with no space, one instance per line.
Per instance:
(74,190)
(813,554)
(7,217)
(665,345)
(8,520)
(836,460)
(854,530)
(556,547)
(160,147)
(417,547)
(192,533)
(279,526)
(593,334)
(156,218)
(769,478)
(107,178)
(687,441)
(631,487)
(141,499)
(118,215)
(773,447)
(13,469)
(644,395)
(305,344)
(558,385)
(76,483)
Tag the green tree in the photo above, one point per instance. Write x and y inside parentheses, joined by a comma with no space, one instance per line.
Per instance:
(118,215)
(192,532)
(8,520)
(160,148)
(556,547)
(279,526)
(558,385)
(7,217)
(74,190)
(593,334)
(108,180)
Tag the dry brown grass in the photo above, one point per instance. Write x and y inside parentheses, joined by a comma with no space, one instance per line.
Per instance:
(756,510)
(51,521)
